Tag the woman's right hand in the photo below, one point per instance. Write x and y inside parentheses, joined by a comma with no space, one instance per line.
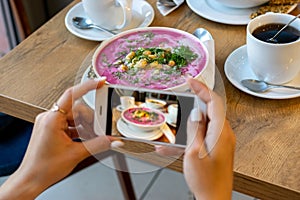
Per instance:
(208,160)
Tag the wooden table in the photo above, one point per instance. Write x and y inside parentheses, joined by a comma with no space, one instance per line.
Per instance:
(267,159)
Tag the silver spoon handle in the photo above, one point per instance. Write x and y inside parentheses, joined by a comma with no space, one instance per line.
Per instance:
(103,29)
(285,86)
(284,27)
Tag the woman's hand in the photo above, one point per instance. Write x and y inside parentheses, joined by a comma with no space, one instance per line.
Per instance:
(208,160)
(52,154)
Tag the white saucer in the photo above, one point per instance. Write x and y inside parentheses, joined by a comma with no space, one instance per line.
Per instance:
(215,11)
(120,108)
(142,16)
(130,132)
(237,68)
(171,123)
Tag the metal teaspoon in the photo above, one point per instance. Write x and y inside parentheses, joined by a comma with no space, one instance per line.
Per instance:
(84,23)
(262,86)
(273,39)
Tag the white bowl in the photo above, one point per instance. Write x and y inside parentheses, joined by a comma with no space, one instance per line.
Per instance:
(242,3)
(155,103)
(155,120)
(117,47)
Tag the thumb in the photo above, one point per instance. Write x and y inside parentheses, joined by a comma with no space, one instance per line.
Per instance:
(196,132)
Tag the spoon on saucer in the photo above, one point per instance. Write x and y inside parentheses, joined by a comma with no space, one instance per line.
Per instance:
(262,86)
(273,39)
(84,23)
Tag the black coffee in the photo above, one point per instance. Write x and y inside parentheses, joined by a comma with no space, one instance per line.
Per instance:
(265,32)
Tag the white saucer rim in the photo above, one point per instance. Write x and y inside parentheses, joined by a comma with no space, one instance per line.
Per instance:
(207,12)
(168,121)
(154,137)
(171,123)
(119,108)
(237,84)
(102,36)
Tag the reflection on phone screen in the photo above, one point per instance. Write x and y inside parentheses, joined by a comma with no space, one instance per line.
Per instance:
(141,115)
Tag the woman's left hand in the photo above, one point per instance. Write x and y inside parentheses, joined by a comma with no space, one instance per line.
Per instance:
(52,154)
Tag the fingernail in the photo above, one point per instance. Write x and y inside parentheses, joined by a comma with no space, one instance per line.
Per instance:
(187,76)
(196,115)
(189,81)
(101,81)
(116,144)
(101,78)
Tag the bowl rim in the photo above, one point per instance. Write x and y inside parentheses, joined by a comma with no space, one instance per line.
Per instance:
(113,38)
(144,126)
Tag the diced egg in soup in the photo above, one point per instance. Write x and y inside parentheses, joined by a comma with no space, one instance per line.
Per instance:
(151,58)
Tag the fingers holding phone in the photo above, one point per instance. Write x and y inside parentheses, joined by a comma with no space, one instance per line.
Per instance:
(210,151)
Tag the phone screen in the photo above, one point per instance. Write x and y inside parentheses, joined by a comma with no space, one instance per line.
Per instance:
(129,113)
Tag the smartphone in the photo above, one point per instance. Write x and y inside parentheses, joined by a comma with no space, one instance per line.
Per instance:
(139,114)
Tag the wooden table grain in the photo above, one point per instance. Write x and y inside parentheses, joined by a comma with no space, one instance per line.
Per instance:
(267,157)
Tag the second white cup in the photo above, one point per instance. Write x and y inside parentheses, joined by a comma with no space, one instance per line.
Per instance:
(109,14)
(172,113)
(127,102)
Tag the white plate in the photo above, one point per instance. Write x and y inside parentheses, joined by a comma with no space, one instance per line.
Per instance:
(142,16)
(215,11)
(237,68)
(130,132)
(120,108)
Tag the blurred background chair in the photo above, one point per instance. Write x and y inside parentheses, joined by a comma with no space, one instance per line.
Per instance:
(19,18)
(14,138)
(31,14)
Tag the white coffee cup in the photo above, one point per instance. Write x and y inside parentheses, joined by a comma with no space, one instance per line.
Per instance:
(110,14)
(274,63)
(127,102)
(172,113)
